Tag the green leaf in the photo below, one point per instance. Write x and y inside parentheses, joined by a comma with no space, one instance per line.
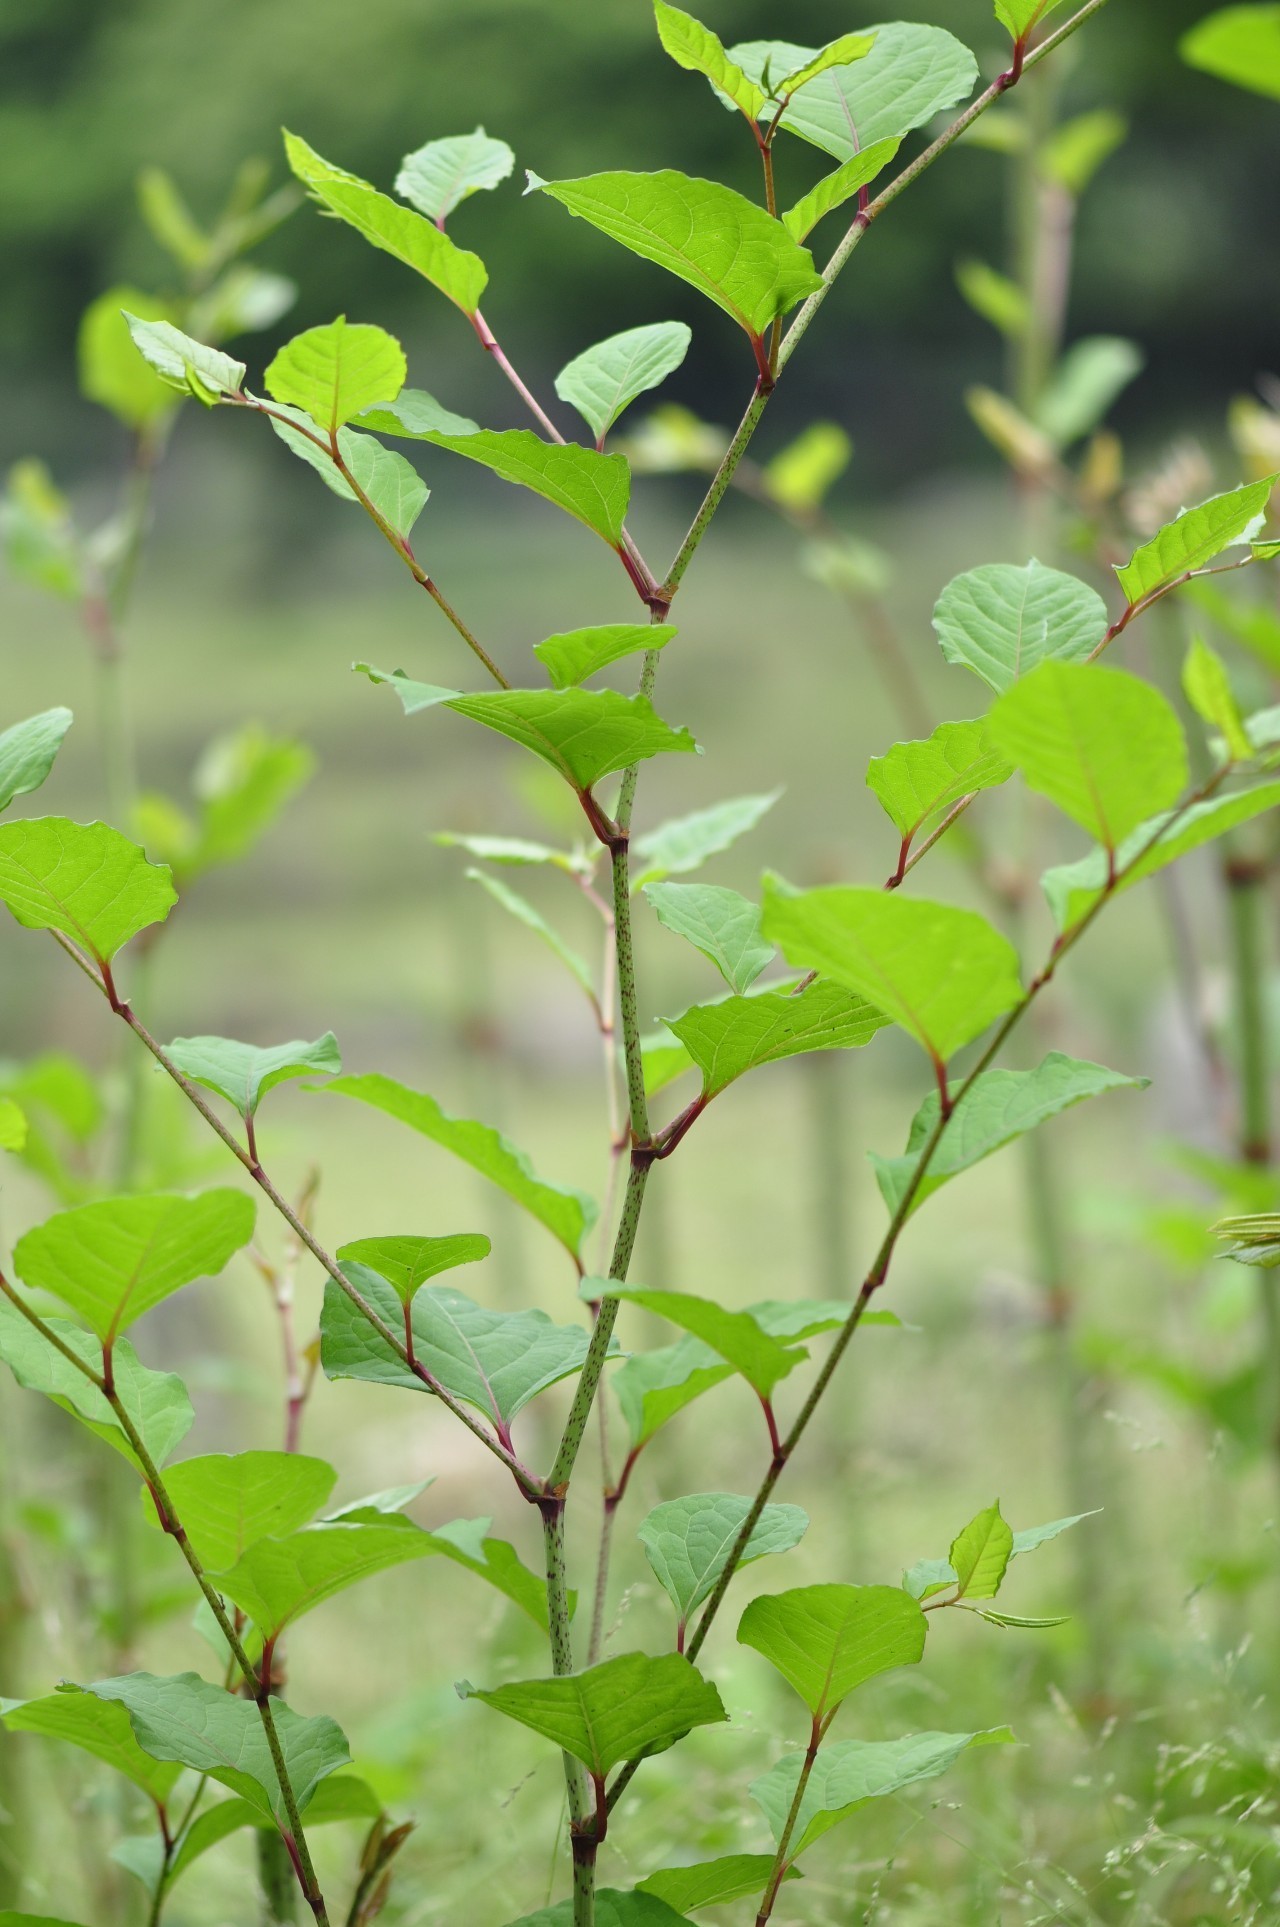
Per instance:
(688,1541)
(736,1035)
(417,416)
(800,476)
(464,1542)
(593,488)
(1102,745)
(1081,389)
(627,1708)
(1001,622)
(97,1728)
(523,911)
(735,1335)
(407,1263)
(711,1883)
(664,1058)
(1073,888)
(827,1640)
(41,545)
(438,177)
(699,51)
(1037,1624)
(1032,1536)
(114,1260)
(185,1718)
(575,655)
(278,1581)
(399,231)
(1240,45)
(110,371)
(845,1776)
(496,1361)
(943,974)
(391,484)
(651,1387)
(713,238)
(27,752)
(14,1127)
(334,373)
(927,1577)
(1001,1106)
(1020,16)
(1207,687)
(244,1073)
(806,1317)
(9,1919)
(155,1402)
(170,220)
(834,189)
(227,1502)
(911,73)
(568,1215)
(1195,538)
(83,879)
(606,379)
(343,1796)
(612,1909)
(980,1554)
(995,297)
(685,843)
(183,363)
(837,53)
(244,781)
(915,781)
(720,923)
(584,734)
(514,850)
(1076,150)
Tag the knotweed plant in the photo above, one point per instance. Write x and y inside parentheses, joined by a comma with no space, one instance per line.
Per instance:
(222,1749)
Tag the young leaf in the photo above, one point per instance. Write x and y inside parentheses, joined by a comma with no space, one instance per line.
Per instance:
(243,782)
(685,843)
(244,1073)
(1103,746)
(834,189)
(1073,888)
(1078,147)
(627,1708)
(800,476)
(97,1728)
(591,487)
(1001,622)
(228,1502)
(735,1335)
(713,238)
(1032,1536)
(41,545)
(927,1577)
(83,879)
(1020,16)
(14,1127)
(995,297)
(438,177)
(1038,1623)
(1081,389)
(980,1554)
(336,372)
(407,1263)
(1207,687)
(523,911)
(1001,1106)
(577,654)
(697,49)
(712,1883)
(113,1261)
(584,734)
(110,370)
(496,1361)
(688,1541)
(156,1402)
(399,231)
(837,53)
(183,363)
(720,923)
(27,752)
(911,73)
(606,379)
(827,1640)
(1240,45)
(278,1581)
(391,484)
(915,781)
(568,1215)
(942,974)
(1195,538)
(845,1776)
(738,1034)
(514,850)
(186,1719)
(651,1387)
(664,1058)
(418,416)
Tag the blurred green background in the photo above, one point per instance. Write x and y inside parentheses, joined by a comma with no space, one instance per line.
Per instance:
(1145,1791)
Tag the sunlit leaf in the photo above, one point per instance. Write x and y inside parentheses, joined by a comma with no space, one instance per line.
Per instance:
(834,189)
(800,476)
(980,1555)
(696,48)
(627,1707)
(41,545)
(651,1387)
(438,177)
(603,381)
(391,484)
(1195,538)
(1207,687)
(915,781)
(27,752)
(1001,622)
(735,1335)
(226,1502)
(335,372)
(183,363)
(720,923)
(244,1073)
(827,1640)
(156,1403)
(911,73)
(1240,45)
(738,1034)
(1077,148)
(111,371)
(83,879)
(578,654)
(994,296)
(1020,16)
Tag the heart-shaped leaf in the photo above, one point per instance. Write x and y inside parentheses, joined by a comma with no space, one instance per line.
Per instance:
(626,1708)
(83,879)
(688,1541)
(827,1640)
(227,1502)
(1002,622)
(604,380)
(334,373)
(244,1073)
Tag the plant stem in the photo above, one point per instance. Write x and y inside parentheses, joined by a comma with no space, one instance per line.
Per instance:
(1246,884)
(778,1871)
